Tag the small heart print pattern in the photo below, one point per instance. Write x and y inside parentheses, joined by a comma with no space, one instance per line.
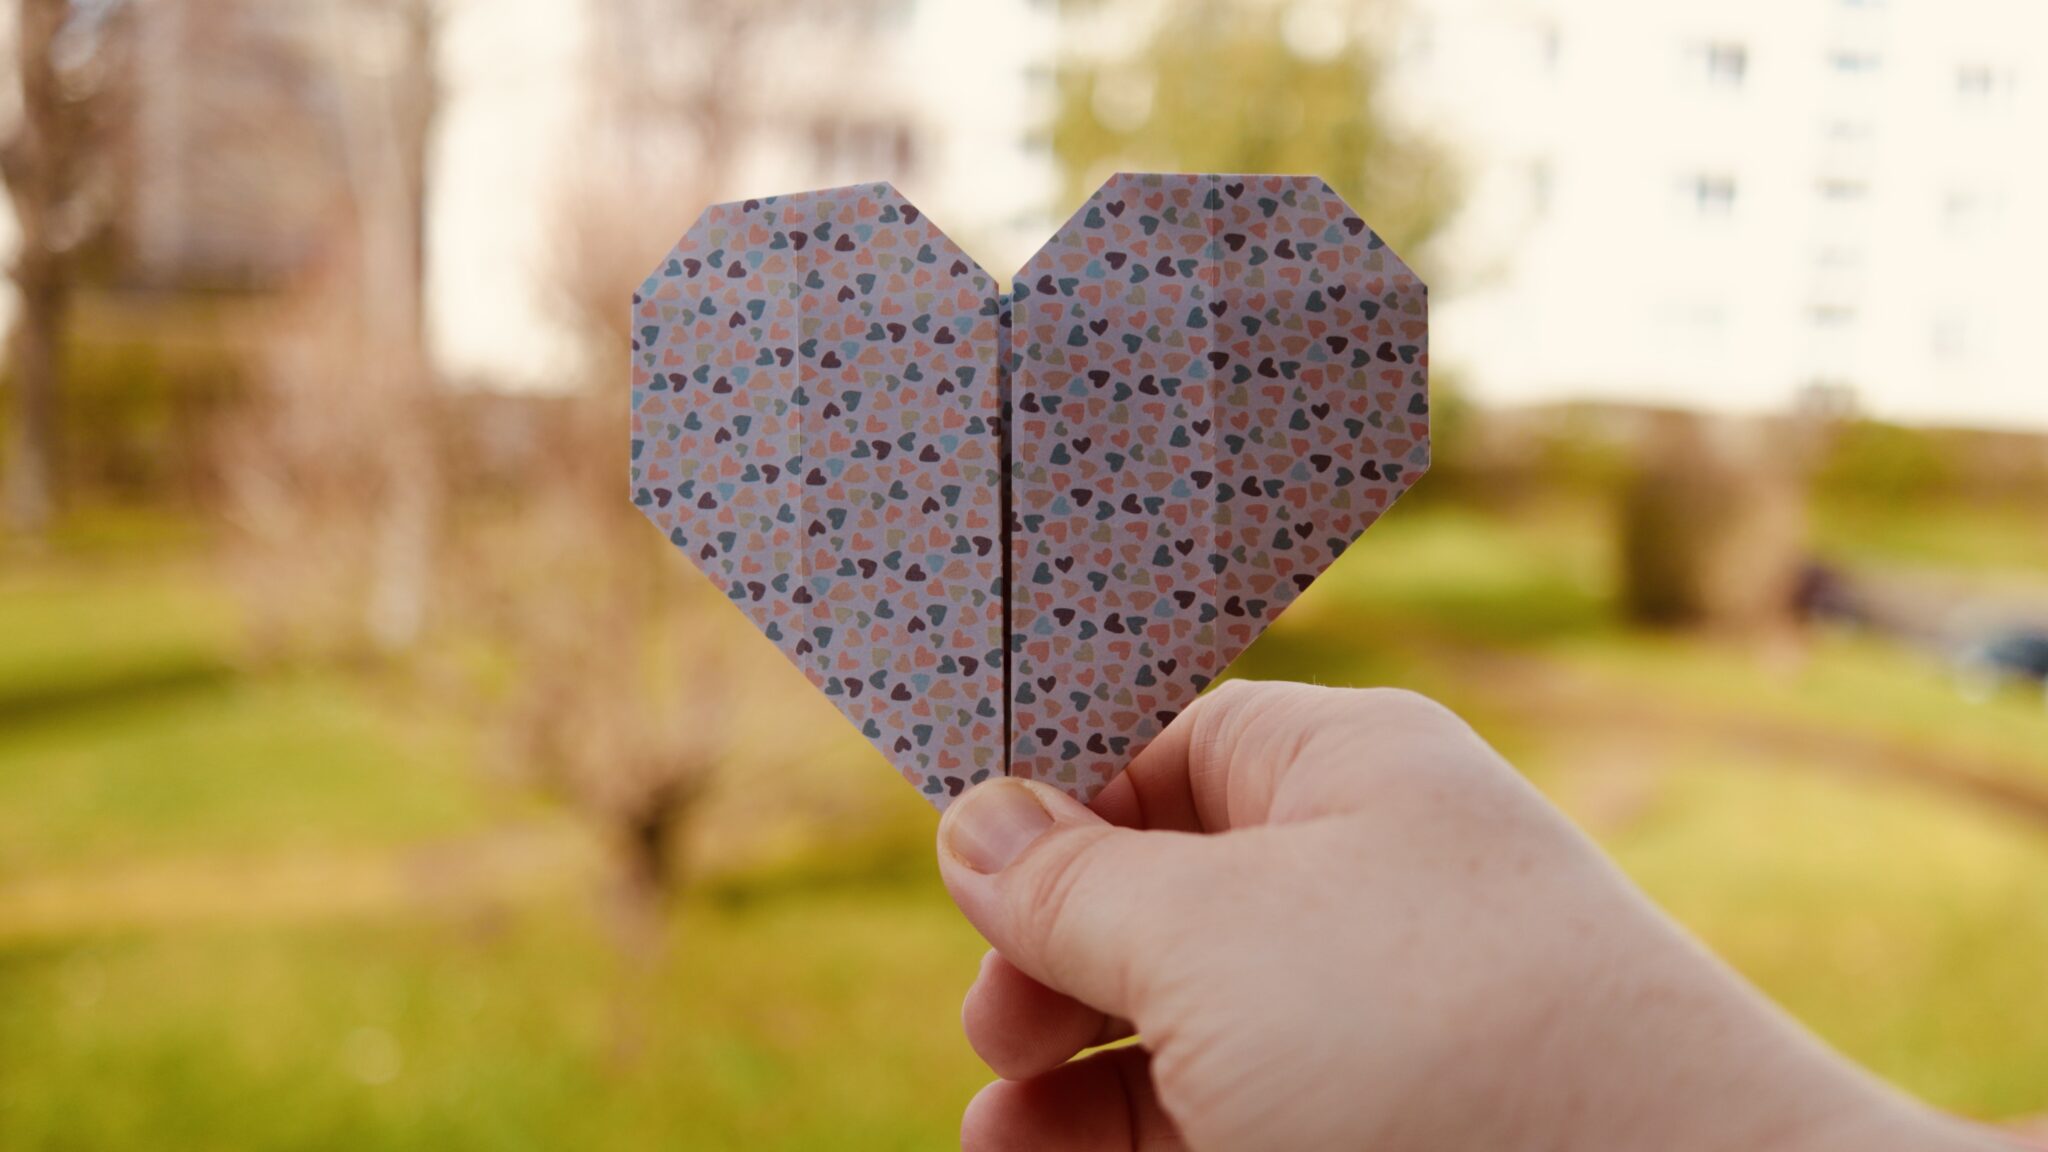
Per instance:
(1212,385)
(816,423)
(1217,383)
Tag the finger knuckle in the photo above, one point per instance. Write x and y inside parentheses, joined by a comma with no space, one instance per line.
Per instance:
(1231,709)
(1404,706)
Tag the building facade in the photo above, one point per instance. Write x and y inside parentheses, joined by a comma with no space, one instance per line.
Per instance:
(1743,204)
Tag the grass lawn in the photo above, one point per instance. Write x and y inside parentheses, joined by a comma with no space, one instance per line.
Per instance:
(127,733)
(821,1020)
(814,1004)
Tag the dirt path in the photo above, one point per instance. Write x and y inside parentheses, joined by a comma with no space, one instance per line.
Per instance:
(1550,695)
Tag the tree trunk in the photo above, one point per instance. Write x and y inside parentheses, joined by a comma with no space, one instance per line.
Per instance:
(35,165)
(32,424)
(390,129)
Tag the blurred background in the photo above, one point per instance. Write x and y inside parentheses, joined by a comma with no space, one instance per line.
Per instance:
(372,775)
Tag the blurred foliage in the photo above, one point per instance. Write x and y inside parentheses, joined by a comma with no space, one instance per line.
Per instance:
(1286,86)
(1711,535)
(1884,463)
(146,380)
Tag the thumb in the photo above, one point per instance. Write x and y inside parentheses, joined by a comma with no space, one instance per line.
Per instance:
(1078,904)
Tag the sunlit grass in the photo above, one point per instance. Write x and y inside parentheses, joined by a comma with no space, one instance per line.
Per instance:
(828,1021)
(1855,684)
(226,767)
(78,627)
(1989,539)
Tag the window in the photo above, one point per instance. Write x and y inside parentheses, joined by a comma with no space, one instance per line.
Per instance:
(1853,63)
(1549,45)
(1966,210)
(1713,196)
(1541,184)
(1847,130)
(1844,189)
(1980,84)
(1726,63)
(1837,256)
(1825,399)
(1833,316)
(1950,338)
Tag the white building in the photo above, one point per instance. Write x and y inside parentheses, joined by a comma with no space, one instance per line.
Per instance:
(1723,203)
(1718,203)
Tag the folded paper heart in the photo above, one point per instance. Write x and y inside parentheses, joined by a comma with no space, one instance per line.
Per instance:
(1017,531)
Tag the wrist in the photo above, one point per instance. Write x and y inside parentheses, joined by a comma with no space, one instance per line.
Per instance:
(1696,1060)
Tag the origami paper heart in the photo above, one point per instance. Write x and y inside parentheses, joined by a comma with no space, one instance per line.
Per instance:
(815,410)
(1025,553)
(1211,403)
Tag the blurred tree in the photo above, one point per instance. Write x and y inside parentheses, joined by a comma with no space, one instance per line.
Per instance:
(333,471)
(1713,528)
(1288,86)
(678,90)
(624,665)
(387,134)
(53,162)
(234,161)
(620,695)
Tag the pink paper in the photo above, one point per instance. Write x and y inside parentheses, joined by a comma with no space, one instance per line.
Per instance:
(815,424)
(1219,382)
(1215,384)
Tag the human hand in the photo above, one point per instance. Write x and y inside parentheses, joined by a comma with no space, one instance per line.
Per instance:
(1337,919)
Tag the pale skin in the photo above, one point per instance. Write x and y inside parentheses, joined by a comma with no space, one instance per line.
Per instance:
(1339,920)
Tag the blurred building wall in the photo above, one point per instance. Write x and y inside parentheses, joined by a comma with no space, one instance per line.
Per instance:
(1724,203)
(231,158)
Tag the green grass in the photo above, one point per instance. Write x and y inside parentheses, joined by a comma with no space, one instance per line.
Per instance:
(78,629)
(126,731)
(1542,585)
(1852,684)
(1989,539)
(234,767)
(812,1003)
(827,1021)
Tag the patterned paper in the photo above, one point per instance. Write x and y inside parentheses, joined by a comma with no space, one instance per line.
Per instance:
(816,424)
(1219,383)
(1215,383)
